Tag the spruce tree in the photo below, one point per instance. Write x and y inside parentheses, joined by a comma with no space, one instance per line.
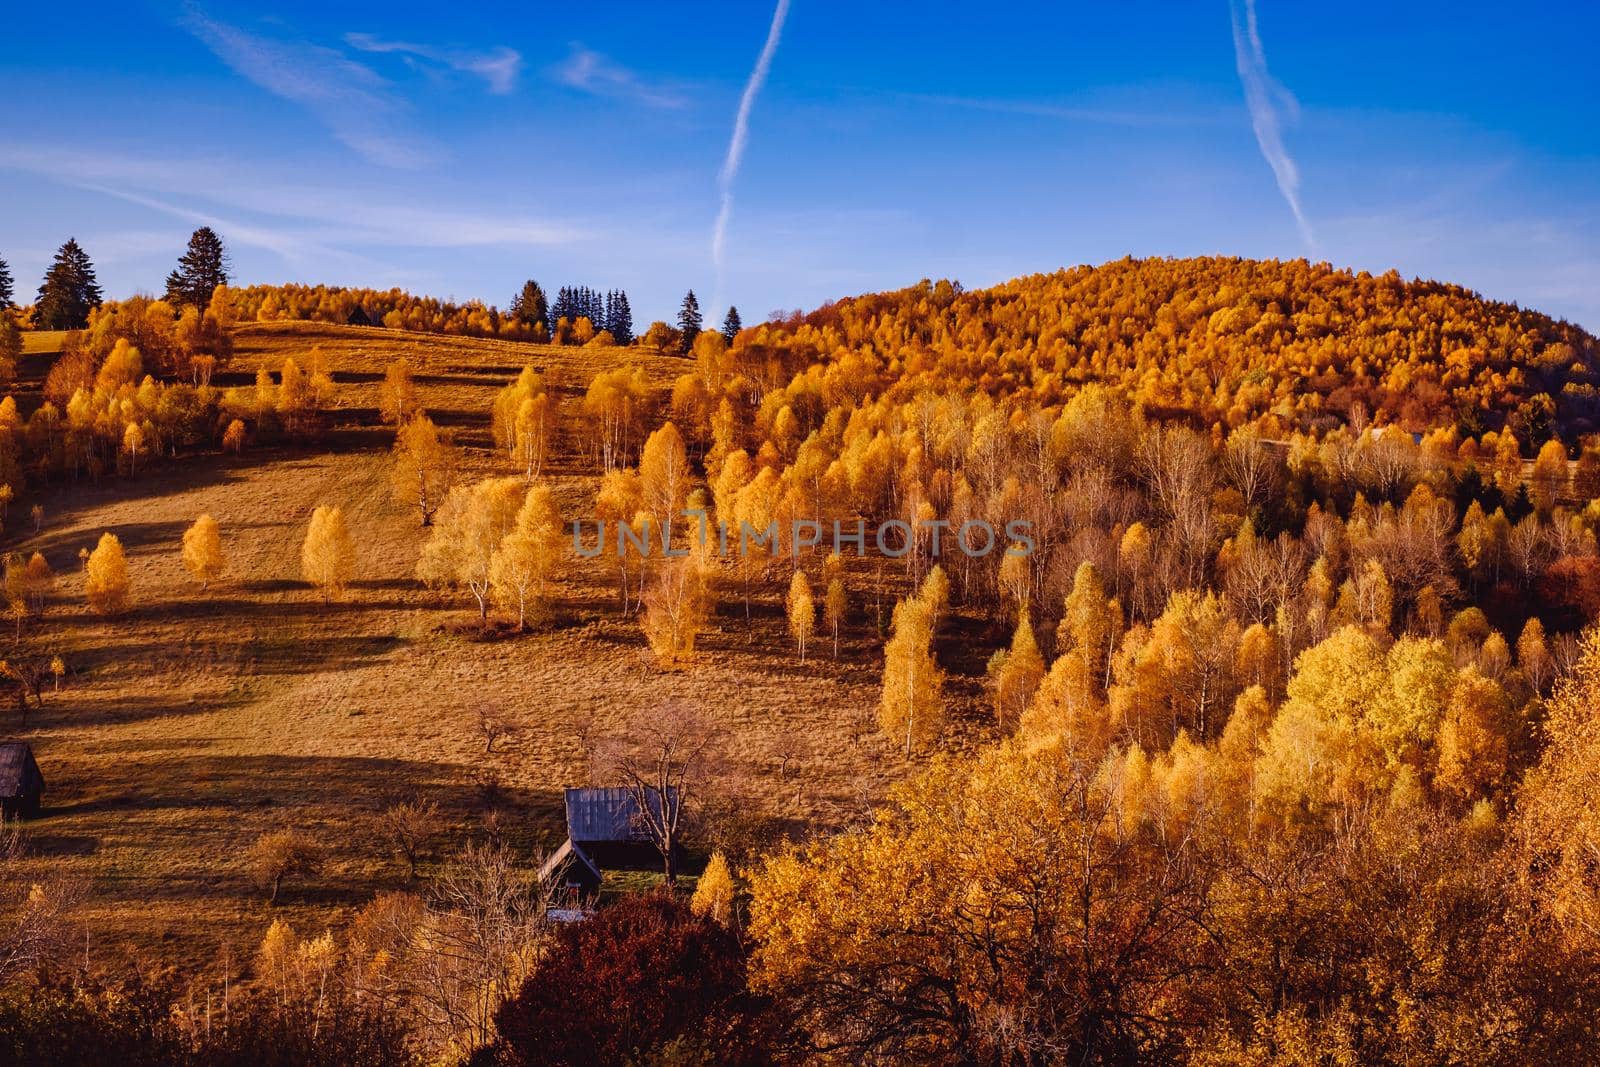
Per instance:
(689,320)
(530,306)
(622,320)
(731,325)
(203,267)
(7,294)
(69,291)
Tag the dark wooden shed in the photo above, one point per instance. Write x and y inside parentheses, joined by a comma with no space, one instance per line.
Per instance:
(604,829)
(21,784)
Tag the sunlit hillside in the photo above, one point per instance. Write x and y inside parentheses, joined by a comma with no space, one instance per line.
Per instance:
(1282,619)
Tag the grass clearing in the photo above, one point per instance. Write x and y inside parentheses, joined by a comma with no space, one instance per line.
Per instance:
(198,721)
(42,342)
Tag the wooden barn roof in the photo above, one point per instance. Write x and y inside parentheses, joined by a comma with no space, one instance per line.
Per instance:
(19,773)
(567,854)
(605,813)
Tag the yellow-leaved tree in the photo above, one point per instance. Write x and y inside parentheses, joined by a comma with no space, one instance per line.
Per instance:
(106,576)
(527,558)
(713,894)
(523,421)
(664,474)
(1017,673)
(912,704)
(202,551)
(397,396)
(1023,887)
(675,609)
(328,556)
(467,532)
(834,608)
(1558,817)
(425,463)
(802,612)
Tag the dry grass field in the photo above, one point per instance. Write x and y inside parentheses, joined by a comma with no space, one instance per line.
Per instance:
(39,342)
(197,721)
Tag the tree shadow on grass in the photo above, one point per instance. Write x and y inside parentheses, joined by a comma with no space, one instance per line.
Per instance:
(219,803)
(68,712)
(280,656)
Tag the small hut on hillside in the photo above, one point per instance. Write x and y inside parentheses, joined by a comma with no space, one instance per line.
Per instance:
(21,784)
(604,829)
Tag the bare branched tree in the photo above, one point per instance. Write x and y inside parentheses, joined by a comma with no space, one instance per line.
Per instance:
(406,826)
(1177,467)
(494,724)
(279,855)
(36,931)
(790,747)
(663,761)
(482,937)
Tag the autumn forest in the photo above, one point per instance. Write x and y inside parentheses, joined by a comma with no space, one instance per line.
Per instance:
(1264,728)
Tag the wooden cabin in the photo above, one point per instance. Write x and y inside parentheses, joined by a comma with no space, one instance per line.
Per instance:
(21,783)
(604,830)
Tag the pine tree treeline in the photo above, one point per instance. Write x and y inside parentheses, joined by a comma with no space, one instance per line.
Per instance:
(527,319)
(607,311)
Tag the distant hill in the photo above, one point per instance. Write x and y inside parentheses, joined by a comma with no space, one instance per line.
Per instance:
(1229,340)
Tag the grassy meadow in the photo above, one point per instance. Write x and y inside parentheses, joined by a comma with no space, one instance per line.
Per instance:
(198,720)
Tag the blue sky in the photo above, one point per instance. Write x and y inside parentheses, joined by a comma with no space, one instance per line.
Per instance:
(458,149)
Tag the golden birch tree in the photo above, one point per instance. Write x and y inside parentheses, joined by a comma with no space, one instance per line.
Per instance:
(397,396)
(802,612)
(202,551)
(425,461)
(912,703)
(468,530)
(527,558)
(106,576)
(328,555)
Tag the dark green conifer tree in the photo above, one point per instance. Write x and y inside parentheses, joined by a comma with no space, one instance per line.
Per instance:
(69,291)
(689,320)
(731,325)
(203,267)
(530,307)
(621,319)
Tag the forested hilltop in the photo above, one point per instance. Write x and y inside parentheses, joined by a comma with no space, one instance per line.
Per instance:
(1292,344)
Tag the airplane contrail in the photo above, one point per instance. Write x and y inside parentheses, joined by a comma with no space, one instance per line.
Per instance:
(741,133)
(1260,89)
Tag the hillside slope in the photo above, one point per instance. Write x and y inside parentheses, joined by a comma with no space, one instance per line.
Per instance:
(198,720)
(1232,340)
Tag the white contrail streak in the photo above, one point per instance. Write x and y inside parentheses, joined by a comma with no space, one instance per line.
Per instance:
(1259,92)
(741,133)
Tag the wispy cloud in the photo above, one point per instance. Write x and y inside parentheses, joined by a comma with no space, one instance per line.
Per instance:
(353,101)
(499,67)
(1270,104)
(736,143)
(590,72)
(296,249)
(310,227)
